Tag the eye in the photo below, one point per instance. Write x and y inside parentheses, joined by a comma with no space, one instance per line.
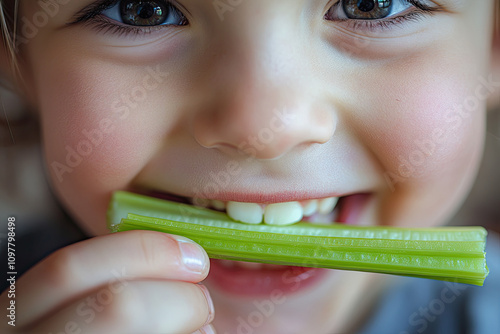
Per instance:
(145,13)
(367,9)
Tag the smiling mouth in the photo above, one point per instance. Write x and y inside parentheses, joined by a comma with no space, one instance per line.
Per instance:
(343,209)
(254,279)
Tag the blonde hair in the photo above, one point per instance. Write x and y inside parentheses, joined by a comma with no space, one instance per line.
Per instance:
(8,29)
(497,17)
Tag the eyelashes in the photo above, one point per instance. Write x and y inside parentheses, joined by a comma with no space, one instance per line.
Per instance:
(106,26)
(92,16)
(399,13)
(379,25)
(93,10)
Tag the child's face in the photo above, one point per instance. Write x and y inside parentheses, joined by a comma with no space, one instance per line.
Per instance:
(267,101)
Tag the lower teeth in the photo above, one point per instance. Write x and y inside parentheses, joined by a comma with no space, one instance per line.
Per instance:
(324,219)
(248,265)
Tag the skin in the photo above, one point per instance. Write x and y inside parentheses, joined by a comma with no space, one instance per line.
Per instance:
(373,111)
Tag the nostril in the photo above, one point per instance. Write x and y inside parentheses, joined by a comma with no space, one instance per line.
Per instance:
(263,133)
(326,126)
(206,132)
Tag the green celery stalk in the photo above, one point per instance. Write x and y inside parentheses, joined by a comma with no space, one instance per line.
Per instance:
(444,253)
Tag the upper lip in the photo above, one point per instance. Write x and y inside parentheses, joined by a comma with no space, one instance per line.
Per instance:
(272,198)
(264,198)
(320,172)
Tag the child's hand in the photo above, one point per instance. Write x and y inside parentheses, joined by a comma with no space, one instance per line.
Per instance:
(128,282)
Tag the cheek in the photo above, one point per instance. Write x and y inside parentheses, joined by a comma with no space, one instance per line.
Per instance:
(426,133)
(103,116)
(433,134)
(88,128)
(100,127)
(425,118)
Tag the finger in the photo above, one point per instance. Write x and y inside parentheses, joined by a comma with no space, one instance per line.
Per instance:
(141,307)
(77,269)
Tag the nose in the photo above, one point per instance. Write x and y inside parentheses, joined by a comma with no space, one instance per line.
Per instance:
(262,106)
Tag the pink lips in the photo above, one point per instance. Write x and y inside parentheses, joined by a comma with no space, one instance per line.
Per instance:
(262,282)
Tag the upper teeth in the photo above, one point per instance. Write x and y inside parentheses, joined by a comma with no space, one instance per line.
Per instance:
(326,205)
(285,213)
(311,207)
(250,213)
(219,205)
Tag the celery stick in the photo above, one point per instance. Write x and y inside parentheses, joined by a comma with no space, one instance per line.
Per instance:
(124,202)
(445,253)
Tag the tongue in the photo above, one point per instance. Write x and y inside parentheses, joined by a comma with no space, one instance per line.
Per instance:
(350,208)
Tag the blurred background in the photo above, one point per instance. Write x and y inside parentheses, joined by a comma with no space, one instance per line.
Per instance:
(42,226)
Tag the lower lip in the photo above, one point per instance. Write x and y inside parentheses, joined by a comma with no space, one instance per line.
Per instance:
(262,282)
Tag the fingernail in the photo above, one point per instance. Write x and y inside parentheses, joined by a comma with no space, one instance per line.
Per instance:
(211,308)
(193,256)
(205,330)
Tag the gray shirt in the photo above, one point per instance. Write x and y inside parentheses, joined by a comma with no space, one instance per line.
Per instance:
(422,306)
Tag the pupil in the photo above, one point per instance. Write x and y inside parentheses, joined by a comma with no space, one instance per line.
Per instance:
(367,9)
(145,11)
(366,5)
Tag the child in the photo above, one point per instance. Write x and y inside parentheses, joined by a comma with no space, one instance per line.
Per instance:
(241,105)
